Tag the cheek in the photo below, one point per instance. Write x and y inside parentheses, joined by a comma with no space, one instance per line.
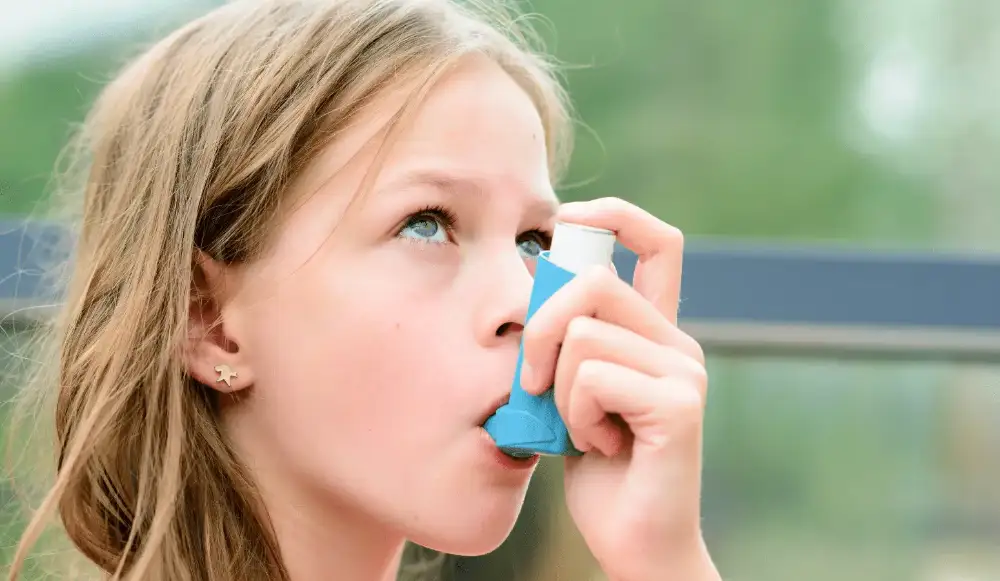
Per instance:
(369,385)
(356,371)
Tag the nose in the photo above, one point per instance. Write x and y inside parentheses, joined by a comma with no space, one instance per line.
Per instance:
(506,288)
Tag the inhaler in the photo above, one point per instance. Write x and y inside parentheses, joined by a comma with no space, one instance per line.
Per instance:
(528,424)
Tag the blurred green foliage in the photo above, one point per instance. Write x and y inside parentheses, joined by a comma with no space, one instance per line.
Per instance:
(719,119)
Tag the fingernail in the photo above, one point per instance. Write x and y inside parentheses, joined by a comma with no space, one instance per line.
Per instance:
(527,376)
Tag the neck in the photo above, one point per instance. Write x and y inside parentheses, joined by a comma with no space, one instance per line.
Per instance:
(322,536)
(319,541)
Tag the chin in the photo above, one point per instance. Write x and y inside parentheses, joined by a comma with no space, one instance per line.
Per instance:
(468,531)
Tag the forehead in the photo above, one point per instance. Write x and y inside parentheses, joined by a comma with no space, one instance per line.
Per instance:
(475,130)
(476,127)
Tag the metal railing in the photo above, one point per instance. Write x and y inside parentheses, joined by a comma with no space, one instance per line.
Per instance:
(737,297)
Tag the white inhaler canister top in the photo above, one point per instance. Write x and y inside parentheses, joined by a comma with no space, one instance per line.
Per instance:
(576,247)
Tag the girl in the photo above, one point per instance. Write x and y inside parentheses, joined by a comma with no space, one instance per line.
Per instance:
(298,291)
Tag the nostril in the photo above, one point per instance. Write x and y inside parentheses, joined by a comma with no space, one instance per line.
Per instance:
(508,328)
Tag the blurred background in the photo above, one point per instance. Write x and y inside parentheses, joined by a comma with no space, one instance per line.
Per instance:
(863,124)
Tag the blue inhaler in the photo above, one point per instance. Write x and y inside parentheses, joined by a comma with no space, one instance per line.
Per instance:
(528,424)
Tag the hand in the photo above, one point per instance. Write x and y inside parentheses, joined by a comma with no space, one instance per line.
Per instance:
(630,386)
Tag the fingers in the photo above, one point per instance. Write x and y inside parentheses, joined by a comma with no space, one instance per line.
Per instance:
(598,293)
(657,410)
(590,340)
(659,246)
(593,339)
(613,351)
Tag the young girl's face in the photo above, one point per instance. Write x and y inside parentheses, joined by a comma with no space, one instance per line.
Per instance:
(380,331)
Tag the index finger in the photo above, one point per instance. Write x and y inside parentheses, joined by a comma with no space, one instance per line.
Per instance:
(659,246)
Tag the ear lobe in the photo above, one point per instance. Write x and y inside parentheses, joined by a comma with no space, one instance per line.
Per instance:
(211,355)
(226,374)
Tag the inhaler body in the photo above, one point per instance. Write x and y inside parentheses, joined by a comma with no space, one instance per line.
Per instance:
(528,424)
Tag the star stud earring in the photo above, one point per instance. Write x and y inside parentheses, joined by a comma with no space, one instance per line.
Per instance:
(226,374)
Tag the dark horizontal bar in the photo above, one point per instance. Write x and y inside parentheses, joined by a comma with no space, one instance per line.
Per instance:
(736,297)
(743,283)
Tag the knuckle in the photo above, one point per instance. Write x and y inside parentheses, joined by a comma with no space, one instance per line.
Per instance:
(599,280)
(582,332)
(588,373)
(671,235)
(699,375)
(611,202)
(594,273)
(617,205)
(686,344)
(686,405)
(697,352)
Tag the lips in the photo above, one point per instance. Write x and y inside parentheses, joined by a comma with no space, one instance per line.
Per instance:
(492,409)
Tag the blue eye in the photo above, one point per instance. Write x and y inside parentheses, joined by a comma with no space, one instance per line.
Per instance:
(435,225)
(431,225)
(425,228)
(533,243)
(530,248)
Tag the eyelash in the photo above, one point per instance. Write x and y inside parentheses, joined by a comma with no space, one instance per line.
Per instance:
(450,221)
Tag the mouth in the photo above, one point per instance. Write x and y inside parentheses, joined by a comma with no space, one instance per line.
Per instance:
(505,457)
(497,404)
(510,462)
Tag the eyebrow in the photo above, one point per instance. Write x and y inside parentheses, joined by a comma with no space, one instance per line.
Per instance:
(542,208)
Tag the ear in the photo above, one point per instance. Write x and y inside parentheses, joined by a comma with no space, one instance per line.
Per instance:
(212,356)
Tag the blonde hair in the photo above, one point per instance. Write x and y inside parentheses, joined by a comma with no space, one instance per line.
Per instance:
(191,148)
